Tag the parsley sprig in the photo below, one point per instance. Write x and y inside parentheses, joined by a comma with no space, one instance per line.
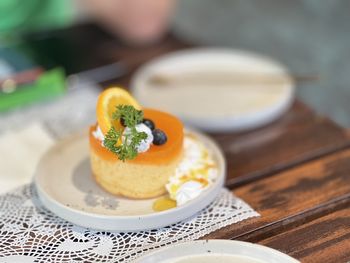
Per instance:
(131,116)
(127,150)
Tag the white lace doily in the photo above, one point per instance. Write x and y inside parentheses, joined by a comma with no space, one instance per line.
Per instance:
(30,233)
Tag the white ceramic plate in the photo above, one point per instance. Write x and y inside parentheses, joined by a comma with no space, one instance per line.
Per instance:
(66,187)
(223,251)
(228,106)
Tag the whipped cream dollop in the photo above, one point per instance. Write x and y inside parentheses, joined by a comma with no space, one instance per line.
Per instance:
(188,191)
(196,171)
(98,134)
(144,144)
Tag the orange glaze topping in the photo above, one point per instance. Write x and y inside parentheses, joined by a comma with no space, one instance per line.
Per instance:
(162,154)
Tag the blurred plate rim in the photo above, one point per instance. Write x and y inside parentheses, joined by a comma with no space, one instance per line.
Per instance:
(216,246)
(240,123)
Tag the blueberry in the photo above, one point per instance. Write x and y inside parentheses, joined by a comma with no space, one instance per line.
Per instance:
(149,123)
(159,137)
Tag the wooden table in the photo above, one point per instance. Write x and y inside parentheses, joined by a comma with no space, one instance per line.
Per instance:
(295,172)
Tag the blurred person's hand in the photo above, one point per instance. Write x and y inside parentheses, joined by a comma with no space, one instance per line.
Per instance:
(136,21)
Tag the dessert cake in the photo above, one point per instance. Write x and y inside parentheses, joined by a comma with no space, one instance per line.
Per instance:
(136,174)
(144,153)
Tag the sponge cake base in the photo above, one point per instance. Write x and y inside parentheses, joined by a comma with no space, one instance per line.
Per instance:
(133,180)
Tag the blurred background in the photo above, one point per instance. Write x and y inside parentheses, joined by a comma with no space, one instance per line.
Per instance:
(309,37)
(45,43)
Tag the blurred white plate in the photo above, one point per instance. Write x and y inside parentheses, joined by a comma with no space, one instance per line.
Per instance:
(66,187)
(218,99)
(225,251)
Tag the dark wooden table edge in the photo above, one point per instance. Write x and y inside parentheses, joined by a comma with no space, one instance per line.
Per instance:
(262,174)
(292,221)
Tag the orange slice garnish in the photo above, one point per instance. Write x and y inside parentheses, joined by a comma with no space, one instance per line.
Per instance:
(107,102)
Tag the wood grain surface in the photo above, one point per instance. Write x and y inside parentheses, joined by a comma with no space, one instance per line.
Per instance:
(288,196)
(325,239)
(297,137)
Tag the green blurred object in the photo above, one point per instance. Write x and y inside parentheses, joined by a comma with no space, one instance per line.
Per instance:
(50,84)
(18,16)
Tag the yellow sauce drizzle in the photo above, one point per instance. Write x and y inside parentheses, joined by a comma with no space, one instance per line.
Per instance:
(163,203)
